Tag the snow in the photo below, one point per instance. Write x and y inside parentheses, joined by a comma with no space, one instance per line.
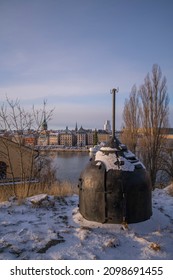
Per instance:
(48,227)
(110,160)
(108,149)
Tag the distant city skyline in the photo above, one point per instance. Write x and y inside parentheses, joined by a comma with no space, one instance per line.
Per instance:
(73,52)
(102,127)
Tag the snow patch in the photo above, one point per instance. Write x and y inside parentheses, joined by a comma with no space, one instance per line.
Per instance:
(37,198)
(60,232)
(111,161)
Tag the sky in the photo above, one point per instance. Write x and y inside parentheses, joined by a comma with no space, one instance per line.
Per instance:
(73,52)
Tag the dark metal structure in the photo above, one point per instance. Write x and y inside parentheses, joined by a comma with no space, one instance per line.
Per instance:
(115,186)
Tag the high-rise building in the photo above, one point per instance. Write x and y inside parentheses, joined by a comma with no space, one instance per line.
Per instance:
(107,126)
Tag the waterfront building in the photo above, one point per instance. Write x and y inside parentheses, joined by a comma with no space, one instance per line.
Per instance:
(43,138)
(81,137)
(90,138)
(30,139)
(67,138)
(53,138)
(103,136)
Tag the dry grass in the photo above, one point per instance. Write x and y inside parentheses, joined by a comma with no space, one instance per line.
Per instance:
(170,189)
(63,188)
(21,191)
(155,246)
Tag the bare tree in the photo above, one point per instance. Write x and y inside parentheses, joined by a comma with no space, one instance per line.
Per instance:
(15,118)
(131,120)
(154,118)
(167,162)
(15,121)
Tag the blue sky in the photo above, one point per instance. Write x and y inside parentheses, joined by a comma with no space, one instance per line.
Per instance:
(72,52)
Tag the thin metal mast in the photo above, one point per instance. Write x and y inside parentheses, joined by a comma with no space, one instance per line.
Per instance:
(113,91)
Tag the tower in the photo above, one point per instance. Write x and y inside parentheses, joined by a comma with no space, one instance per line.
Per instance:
(76,128)
(44,124)
(107,126)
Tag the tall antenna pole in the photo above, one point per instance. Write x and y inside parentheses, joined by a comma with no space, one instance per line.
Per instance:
(113,91)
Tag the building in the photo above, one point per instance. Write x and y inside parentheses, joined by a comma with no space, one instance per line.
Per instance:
(44,124)
(107,126)
(67,138)
(16,161)
(90,138)
(81,137)
(169,137)
(18,137)
(53,138)
(43,138)
(30,139)
(103,136)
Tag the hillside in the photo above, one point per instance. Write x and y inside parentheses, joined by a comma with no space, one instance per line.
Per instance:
(47,227)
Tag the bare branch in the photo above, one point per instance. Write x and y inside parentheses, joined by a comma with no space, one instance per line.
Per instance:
(154,117)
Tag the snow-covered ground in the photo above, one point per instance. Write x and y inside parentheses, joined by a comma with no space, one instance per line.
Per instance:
(47,227)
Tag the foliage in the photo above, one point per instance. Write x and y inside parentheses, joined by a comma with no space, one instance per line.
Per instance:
(95,141)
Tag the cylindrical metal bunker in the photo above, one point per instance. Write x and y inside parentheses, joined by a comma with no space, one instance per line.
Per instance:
(115,187)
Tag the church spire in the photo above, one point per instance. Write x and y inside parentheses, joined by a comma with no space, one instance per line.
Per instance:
(44,124)
(76,129)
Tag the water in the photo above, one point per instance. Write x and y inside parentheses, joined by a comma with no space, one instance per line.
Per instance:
(70,164)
